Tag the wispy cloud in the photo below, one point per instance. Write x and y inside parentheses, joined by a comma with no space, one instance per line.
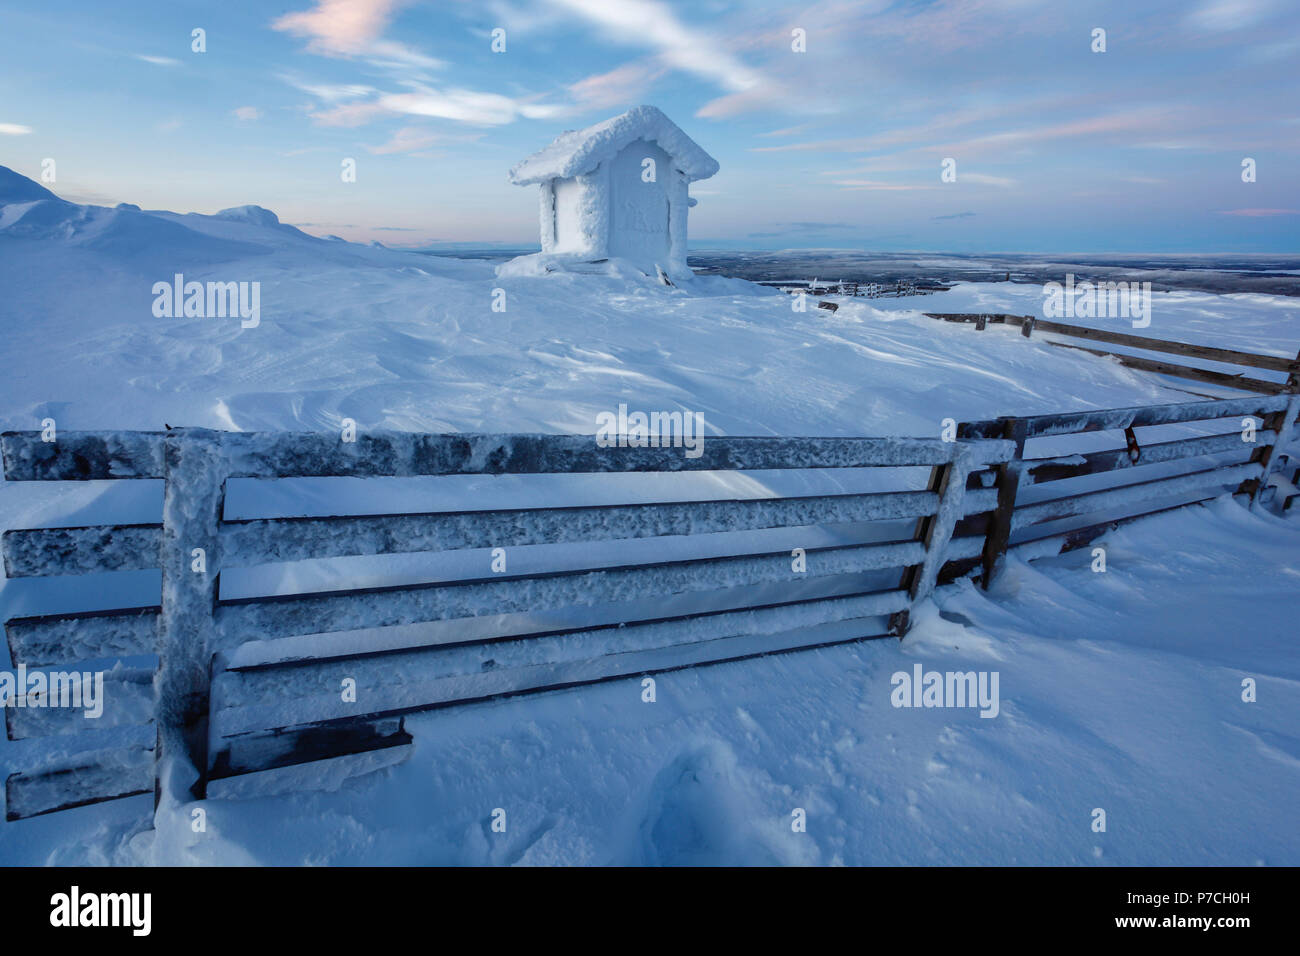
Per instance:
(984,179)
(1222,15)
(473,107)
(410,139)
(1253,213)
(872,184)
(624,84)
(247,113)
(652,24)
(157,60)
(14,129)
(329,93)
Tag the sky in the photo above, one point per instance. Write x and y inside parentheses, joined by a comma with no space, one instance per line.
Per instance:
(1056,145)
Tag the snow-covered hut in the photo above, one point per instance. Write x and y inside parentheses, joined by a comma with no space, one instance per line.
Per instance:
(618,189)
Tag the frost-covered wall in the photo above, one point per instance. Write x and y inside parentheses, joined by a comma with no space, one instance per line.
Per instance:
(639,206)
(546,215)
(578,215)
(678,187)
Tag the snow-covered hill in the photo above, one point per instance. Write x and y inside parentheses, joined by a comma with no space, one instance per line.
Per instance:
(407,341)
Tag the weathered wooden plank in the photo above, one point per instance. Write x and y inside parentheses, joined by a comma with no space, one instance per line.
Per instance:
(280,681)
(1106,419)
(106,775)
(400,454)
(1077,538)
(1225,379)
(287,615)
(1226,356)
(950,483)
(978,318)
(51,639)
(82,456)
(1125,495)
(1008,485)
(435,692)
(44,552)
(954,569)
(1039,470)
(122,697)
(259,750)
(87,550)
(93,455)
(291,539)
(978,500)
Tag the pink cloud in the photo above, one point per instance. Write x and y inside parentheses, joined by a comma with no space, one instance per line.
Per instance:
(340,27)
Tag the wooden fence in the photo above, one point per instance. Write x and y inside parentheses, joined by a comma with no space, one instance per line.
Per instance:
(192,708)
(203,713)
(1069,499)
(1244,380)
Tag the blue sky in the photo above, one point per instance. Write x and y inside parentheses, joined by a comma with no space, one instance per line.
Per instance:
(1057,148)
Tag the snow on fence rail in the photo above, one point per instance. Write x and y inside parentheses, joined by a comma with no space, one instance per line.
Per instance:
(1070,499)
(205,713)
(1029,324)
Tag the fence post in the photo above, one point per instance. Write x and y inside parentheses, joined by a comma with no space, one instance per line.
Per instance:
(949,481)
(1280,423)
(995,541)
(191,562)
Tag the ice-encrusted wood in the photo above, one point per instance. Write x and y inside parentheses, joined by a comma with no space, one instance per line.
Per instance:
(82,456)
(192,505)
(290,539)
(270,618)
(400,454)
(55,639)
(89,778)
(427,689)
(87,455)
(1107,419)
(128,700)
(1119,458)
(47,552)
(1146,491)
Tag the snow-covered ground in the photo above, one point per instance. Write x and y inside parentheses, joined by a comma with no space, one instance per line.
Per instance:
(1120,691)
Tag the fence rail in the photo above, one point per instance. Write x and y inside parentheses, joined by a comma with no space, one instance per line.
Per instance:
(1029,324)
(209,686)
(1072,498)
